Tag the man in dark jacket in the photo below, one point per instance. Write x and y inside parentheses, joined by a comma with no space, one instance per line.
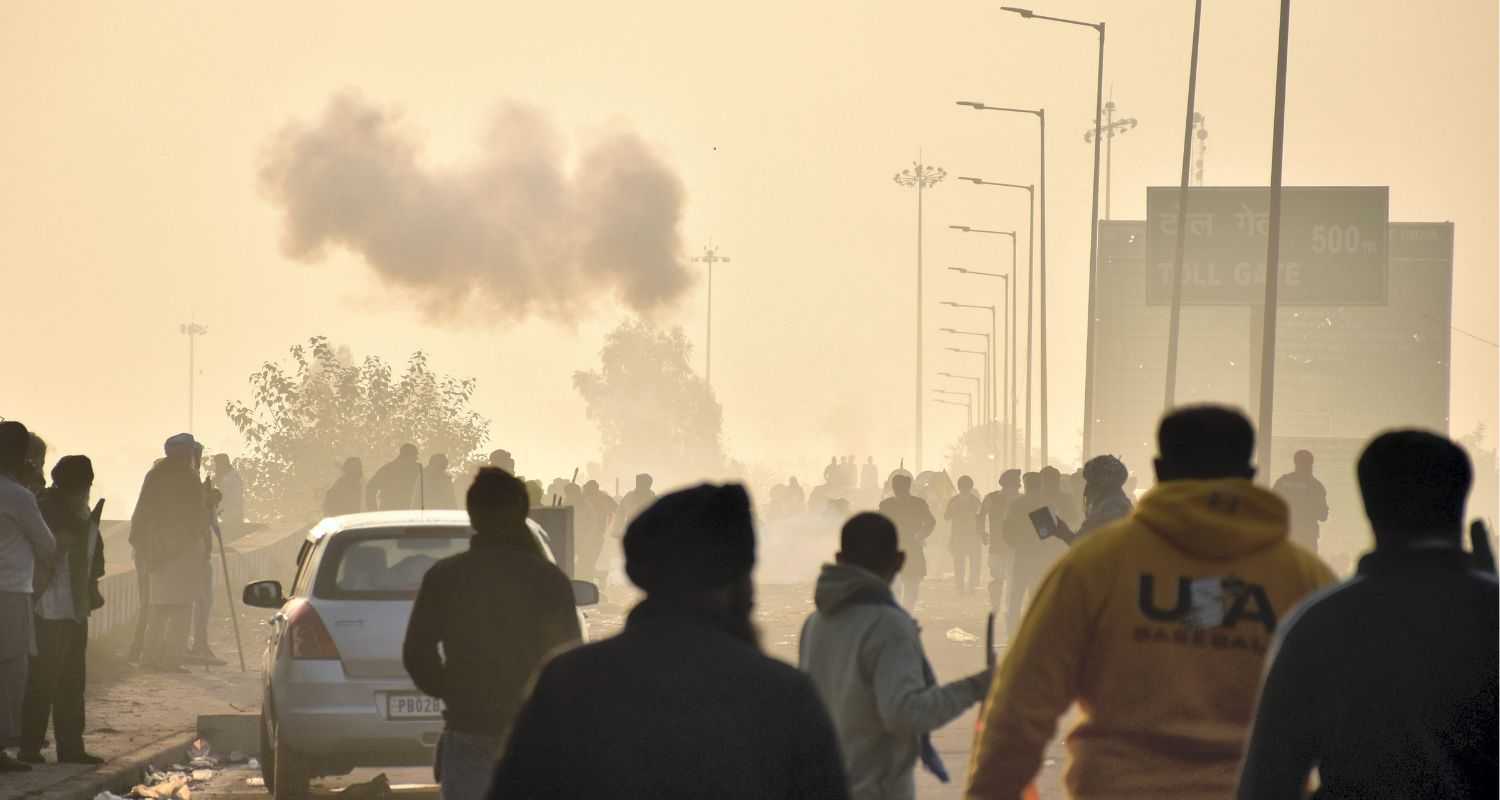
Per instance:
(914,523)
(347,494)
(497,611)
(170,534)
(66,594)
(683,703)
(992,513)
(1386,684)
(393,485)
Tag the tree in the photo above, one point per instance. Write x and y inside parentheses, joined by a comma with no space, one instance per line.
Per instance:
(1484,499)
(655,414)
(304,418)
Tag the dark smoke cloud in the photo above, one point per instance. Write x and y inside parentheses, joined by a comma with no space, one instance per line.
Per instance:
(511,235)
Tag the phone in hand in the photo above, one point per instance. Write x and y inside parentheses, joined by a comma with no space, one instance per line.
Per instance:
(1044,521)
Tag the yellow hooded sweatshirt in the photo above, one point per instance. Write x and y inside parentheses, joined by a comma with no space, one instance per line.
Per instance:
(1157,626)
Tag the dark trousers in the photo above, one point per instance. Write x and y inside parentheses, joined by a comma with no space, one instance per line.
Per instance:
(966,563)
(143,612)
(54,687)
(202,607)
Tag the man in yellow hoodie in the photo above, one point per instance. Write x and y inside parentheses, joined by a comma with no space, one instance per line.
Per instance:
(1157,626)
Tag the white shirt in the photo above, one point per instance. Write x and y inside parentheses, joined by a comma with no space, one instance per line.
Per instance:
(24,537)
(56,603)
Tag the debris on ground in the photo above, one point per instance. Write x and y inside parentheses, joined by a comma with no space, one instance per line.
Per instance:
(256,781)
(961,636)
(376,788)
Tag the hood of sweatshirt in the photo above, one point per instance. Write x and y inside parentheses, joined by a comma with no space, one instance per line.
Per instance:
(840,583)
(1215,519)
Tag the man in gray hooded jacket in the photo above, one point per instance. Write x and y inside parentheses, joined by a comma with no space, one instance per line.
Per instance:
(864,655)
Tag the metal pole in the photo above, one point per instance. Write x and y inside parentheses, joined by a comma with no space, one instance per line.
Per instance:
(1000,377)
(708,346)
(1015,317)
(1042,330)
(1088,360)
(234,614)
(1109,157)
(1273,250)
(918,458)
(1175,325)
(192,337)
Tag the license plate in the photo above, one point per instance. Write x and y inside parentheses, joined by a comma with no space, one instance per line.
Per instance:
(412,706)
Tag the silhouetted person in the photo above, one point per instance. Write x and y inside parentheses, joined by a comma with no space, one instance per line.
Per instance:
(992,513)
(1104,499)
(682,703)
(964,541)
(634,502)
(199,651)
(1052,494)
(170,534)
(796,498)
(232,489)
(1307,499)
(1387,684)
(66,595)
(347,494)
(864,653)
(914,523)
(593,512)
(1156,628)
(436,488)
(392,486)
(26,548)
(869,480)
(1030,555)
(34,474)
(483,622)
(502,460)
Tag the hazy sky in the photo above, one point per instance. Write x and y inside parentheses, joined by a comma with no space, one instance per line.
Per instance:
(134,134)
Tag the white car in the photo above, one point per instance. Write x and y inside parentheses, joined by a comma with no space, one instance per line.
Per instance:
(336,694)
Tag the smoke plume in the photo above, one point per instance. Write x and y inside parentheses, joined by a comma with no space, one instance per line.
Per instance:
(511,235)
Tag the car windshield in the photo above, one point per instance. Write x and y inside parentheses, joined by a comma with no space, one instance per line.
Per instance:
(385,563)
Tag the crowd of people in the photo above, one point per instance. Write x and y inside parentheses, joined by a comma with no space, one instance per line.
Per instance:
(1208,649)
(1156,619)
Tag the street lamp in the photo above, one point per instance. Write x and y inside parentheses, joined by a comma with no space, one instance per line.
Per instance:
(986,410)
(1088,358)
(710,257)
(984,358)
(1011,314)
(1037,279)
(1011,234)
(1008,347)
(192,331)
(920,177)
(967,405)
(1111,129)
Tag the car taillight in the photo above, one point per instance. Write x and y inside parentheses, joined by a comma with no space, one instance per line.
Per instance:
(307,636)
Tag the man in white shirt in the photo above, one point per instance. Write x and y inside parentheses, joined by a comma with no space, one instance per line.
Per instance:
(25,545)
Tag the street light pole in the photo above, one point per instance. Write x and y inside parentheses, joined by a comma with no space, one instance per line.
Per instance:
(1110,130)
(991,309)
(986,405)
(967,405)
(1273,249)
(710,257)
(920,177)
(1174,325)
(192,331)
(1032,281)
(1088,365)
(1012,317)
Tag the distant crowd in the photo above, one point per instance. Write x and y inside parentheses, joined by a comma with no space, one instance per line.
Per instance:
(1208,650)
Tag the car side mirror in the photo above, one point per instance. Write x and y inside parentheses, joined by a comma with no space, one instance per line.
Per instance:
(585,593)
(263,594)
